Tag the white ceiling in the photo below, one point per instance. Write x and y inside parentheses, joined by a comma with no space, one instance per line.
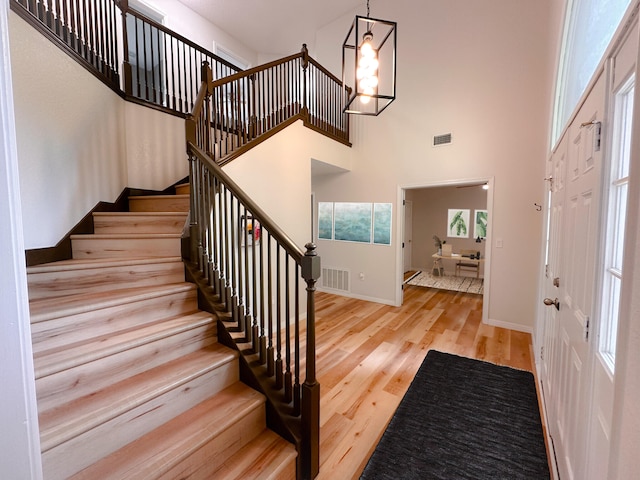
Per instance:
(273,26)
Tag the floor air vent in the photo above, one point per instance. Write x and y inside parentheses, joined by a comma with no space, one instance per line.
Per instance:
(444,139)
(336,279)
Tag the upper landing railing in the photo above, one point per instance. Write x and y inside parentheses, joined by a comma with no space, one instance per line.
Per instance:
(146,62)
(134,55)
(247,107)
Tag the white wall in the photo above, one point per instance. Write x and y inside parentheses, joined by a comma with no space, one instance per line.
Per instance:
(80,143)
(277,175)
(481,71)
(155,148)
(70,133)
(19,441)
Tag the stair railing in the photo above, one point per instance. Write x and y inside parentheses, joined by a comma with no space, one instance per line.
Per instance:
(162,67)
(146,62)
(89,29)
(133,54)
(250,265)
(248,107)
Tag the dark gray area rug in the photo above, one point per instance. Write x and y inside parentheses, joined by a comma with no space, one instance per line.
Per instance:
(463,419)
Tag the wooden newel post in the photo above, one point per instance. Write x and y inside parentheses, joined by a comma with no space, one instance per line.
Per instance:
(310,458)
(126,65)
(206,75)
(305,68)
(194,233)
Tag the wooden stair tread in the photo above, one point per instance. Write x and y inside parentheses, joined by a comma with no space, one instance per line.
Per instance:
(166,446)
(49,308)
(63,358)
(116,236)
(140,214)
(78,416)
(266,457)
(90,263)
(159,197)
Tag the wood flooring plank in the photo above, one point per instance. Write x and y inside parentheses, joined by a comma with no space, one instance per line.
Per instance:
(368,355)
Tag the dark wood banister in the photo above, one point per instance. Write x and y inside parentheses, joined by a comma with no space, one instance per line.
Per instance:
(300,414)
(215,199)
(254,70)
(124,7)
(249,122)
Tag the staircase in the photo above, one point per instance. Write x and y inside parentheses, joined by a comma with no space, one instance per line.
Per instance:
(131,381)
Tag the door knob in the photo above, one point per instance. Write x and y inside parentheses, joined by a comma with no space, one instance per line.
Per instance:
(549,302)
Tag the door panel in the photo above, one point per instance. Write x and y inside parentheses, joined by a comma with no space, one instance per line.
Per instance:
(574,213)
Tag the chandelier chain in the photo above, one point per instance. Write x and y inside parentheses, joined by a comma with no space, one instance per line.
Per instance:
(367,8)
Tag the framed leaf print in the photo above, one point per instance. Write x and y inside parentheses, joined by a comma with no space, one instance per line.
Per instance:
(458,223)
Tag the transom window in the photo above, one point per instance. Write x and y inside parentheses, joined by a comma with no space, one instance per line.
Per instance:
(588,28)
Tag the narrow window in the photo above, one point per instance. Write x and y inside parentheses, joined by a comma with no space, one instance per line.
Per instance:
(616,219)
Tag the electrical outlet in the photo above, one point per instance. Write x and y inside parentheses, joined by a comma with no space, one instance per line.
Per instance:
(361,275)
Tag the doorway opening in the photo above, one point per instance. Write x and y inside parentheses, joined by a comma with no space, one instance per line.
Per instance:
(455,215)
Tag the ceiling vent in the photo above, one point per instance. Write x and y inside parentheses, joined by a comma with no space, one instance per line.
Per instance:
(440,140)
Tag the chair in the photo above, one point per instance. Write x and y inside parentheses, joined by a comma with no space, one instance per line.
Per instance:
(470,266)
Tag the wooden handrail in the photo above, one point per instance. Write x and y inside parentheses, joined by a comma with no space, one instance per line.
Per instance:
(230,114)
(165,73)
(124,6)
(254,70)
(266,221)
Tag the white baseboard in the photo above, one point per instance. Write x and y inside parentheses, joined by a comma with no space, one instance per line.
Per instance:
(342,293)
(511,326)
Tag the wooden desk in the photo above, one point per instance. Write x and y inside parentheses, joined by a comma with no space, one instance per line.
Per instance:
(457,257)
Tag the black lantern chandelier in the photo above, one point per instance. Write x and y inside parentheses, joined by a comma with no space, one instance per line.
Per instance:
(369,65)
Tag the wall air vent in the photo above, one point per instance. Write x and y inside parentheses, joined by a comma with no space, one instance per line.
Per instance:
(444,139)
(336,279)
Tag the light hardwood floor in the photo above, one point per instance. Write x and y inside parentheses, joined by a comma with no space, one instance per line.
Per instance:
(368,353)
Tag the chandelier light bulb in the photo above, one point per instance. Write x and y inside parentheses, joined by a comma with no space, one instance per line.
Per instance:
(365,60)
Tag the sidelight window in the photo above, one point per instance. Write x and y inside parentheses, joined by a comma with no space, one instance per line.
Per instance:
(616,220)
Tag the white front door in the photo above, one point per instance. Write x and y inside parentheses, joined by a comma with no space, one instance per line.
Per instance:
(574,216)
(616,176)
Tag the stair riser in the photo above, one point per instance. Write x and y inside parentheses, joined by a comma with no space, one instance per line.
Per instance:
(81,451)
(132,223)
(169,203)
(124,247)
(69,282)
(94,323)
(183,189)
(203,462)
(67,385)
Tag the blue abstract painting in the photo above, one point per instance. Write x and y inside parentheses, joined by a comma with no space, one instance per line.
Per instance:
(382,223)
(352,222)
